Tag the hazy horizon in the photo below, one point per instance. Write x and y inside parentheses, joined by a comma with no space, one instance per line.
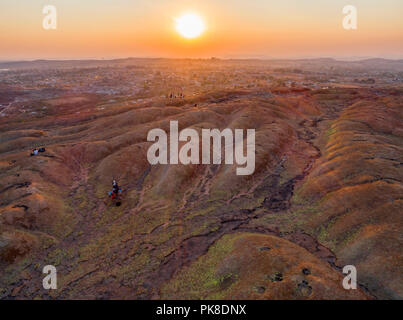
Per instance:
(347,59)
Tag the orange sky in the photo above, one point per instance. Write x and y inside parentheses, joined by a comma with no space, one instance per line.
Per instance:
(235,28)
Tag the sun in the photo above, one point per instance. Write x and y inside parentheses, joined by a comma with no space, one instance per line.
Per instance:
(190,25)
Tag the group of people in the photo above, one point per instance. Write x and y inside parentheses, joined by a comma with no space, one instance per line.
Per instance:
(175,96)
(115,187)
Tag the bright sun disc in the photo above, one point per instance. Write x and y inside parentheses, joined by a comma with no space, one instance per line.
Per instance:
(190,25)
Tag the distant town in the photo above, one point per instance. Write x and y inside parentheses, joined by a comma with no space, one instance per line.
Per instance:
(153,79)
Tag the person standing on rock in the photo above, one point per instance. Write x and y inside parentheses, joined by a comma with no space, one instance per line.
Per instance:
(115,189)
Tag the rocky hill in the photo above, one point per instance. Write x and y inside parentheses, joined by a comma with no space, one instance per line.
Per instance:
(327,192)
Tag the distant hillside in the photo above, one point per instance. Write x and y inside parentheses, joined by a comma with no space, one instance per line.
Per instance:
(377,63)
